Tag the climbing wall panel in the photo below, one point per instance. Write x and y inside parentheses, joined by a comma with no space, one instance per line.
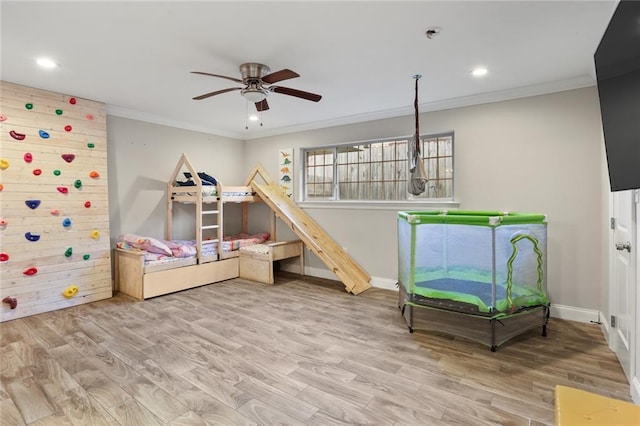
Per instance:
(54,217)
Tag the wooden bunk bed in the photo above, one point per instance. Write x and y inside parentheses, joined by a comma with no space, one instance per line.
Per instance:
(211,263)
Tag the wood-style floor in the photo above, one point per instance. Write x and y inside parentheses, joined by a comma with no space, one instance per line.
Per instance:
(299,352)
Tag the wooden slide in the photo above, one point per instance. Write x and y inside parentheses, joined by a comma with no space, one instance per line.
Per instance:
(355,279)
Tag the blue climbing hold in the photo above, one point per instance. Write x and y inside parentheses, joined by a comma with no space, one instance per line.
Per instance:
(32,204)
(32,237)
(66,222)
(43,134)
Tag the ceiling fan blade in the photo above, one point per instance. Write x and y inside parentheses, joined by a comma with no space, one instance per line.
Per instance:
(262,105)
(217,92)
(284,74)
(237,80)
(297,93)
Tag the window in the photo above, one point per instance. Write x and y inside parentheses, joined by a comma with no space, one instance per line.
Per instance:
(377,170)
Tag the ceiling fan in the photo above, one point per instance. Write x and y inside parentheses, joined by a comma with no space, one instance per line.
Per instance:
(255,77)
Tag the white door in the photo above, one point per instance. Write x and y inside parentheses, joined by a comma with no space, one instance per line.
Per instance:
(623,275)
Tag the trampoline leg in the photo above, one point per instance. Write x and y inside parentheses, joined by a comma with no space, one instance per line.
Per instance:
(544,330)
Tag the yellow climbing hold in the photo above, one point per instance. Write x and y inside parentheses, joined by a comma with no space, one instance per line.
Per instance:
(95,234)
(70,291)
(4,164)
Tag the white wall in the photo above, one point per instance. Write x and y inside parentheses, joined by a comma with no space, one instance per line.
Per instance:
(538,154)
(142,157)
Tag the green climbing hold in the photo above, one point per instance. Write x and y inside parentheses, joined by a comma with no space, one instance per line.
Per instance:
(28,106)
(78,183)
(91,145)
(86,256)
(59,111)
(68,252)
(56,172)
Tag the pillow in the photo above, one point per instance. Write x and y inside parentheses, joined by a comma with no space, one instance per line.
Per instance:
(149,244)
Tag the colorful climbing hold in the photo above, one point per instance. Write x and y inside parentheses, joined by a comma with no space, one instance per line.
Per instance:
(95,234)
(1,187)
(31,237)
(12,301)
(66,222)
(56,172)
(68,252)
(37,172)
(17,136)
(63,189)
(89,117)
(87,204)
(43,134)
(3,117)
(32,204)
(72,101)
(94,175)
(28,106)
(91,145)
(77,184)
(30,271)
(4,257)
(4,164)
(55,212)
(86,256)
(28,157)
(3,223)
(70,291)
(68,157)
(59,111)
(67,128)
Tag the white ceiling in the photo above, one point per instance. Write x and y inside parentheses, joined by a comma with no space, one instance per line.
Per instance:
(137,56)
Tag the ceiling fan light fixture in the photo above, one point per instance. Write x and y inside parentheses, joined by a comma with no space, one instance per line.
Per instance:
(254,95)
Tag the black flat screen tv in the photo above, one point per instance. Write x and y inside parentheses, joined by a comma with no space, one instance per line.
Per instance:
(617,62)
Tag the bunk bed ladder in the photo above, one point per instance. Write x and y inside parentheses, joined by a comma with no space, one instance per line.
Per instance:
(201,212)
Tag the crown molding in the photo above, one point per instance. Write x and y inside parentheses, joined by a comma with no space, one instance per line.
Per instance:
(482,98)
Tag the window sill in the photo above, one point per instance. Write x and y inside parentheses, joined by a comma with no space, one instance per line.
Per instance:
(381,205)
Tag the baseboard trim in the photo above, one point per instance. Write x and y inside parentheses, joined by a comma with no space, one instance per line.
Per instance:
(377,282)
(605,328)
(635,390)
(572,313)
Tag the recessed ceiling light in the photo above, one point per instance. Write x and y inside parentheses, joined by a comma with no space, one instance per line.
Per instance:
(46,63)
(253,118)
(479,72)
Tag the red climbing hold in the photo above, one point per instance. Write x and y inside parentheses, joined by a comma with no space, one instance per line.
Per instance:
(87,204)
(89,117)
(28,157)
(72,101)
(3,223)
(12,301)
(4,257)
(30,271)
(67,128)
(68,157)
(63,189)
(3,117)
(37,172)
(17,136)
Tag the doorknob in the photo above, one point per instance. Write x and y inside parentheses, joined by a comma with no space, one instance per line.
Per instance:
(624,246)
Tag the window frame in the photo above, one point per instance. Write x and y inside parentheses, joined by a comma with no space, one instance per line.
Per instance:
(410,199)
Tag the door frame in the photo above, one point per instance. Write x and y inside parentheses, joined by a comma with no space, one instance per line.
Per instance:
(634,365)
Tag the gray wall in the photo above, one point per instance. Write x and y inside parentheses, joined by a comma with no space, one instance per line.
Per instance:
(538,154)
(142,157)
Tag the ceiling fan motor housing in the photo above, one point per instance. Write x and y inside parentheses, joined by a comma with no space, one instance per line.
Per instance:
(253,72)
